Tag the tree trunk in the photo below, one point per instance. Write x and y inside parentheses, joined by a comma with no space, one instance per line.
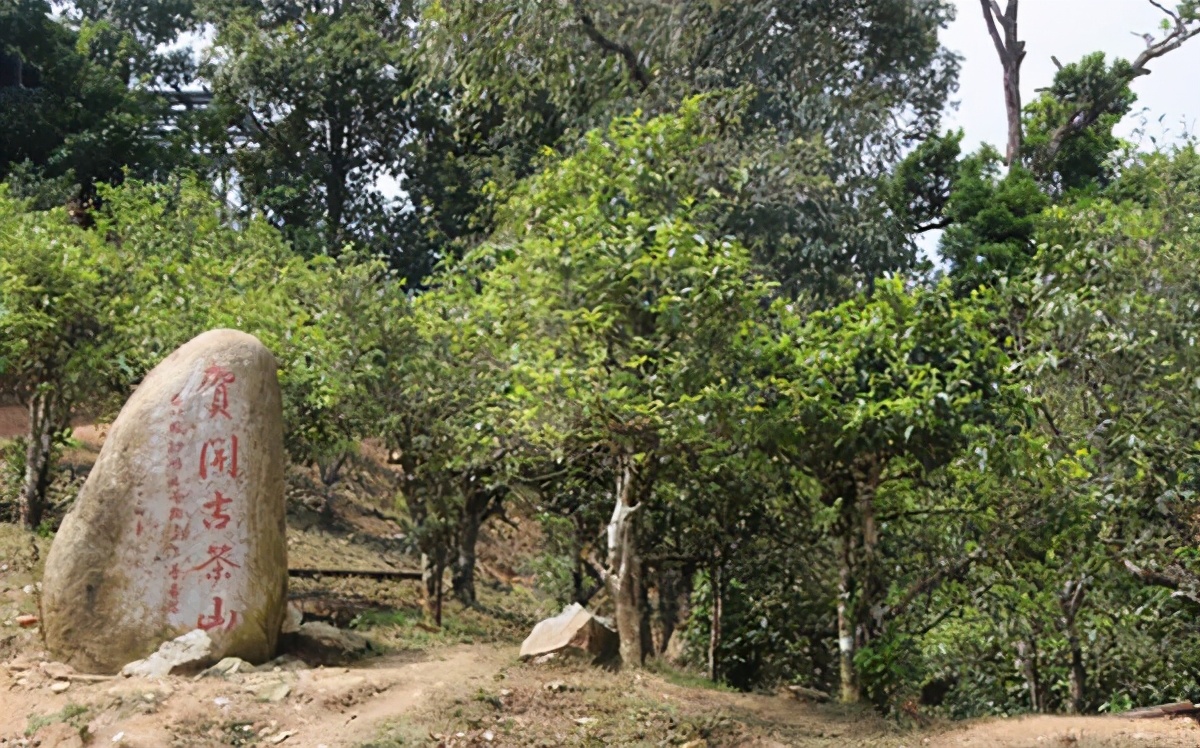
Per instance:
(463,576)
(646,628)
(38,454)
(1012,104)
(859,580)
(871,588)
(625,567)
(849,681)
(1078,673)
(331,468)
(1071,601)
(433,567)
(1003,29)
(1028,654)
(668,606)
(714,628)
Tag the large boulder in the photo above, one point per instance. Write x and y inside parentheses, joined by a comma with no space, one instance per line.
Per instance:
(180,524)
(574,631)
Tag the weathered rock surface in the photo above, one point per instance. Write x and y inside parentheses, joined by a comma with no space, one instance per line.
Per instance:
(183,654)
(180,524)
(318,643)
(573,631)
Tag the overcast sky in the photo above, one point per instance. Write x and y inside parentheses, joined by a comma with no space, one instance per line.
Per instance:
(1070,29)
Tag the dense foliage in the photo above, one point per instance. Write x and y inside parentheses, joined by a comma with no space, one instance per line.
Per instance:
(648,273)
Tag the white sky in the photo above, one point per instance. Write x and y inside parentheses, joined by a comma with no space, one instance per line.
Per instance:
(1070,29)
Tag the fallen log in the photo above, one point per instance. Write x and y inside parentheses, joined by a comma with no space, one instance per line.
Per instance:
(1162,710)
(376,574)
(810,694)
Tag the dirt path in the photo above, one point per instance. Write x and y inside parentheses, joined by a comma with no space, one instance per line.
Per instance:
(324,706)
(1077,732)
(450,691)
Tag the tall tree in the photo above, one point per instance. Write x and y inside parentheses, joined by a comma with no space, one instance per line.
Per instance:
(887,386)
(81,115)
(806,73)
(1084,104)
(317,92)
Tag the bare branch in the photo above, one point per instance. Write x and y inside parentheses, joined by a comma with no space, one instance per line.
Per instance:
(1174,16)
(991,11)
(1012,53)
(1088,115)
(1173,578)
(636,71)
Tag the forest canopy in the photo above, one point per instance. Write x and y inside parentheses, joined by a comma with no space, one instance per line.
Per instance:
(649,273)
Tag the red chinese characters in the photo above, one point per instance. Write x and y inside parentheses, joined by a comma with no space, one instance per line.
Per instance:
(220,457)
(202,470)
(218,564)
(217,518)
(218,378)
(217,618)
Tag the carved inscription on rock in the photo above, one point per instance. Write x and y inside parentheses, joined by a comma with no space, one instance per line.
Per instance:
(180,525)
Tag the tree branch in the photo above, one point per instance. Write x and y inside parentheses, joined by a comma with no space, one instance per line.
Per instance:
(1088,115)
(636,71)
(940,223)
(931,582)
(1173,578)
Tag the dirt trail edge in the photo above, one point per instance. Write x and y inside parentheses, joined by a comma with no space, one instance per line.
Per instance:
(339,706)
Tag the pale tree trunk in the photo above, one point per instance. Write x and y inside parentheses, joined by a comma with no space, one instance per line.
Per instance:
(463,570)
(845,624)
(625,567)
(433,567)
(1071,601)
(1002,26)
(38,453)
(859,582)
(433,553)
(1028,657)
(714,627)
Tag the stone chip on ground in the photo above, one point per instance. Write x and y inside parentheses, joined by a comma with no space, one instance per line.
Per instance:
(58,735)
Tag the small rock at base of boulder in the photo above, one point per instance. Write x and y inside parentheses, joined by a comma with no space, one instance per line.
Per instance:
(319,643)
(183,654)
(574,631)
(226,667)
(56,670)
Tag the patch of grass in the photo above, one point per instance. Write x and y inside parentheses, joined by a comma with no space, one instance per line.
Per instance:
(499,617)
(72,714)
(398,733)
(685,679)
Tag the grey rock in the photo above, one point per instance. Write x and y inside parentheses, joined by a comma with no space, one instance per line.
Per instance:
(187,653)
(575,631)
